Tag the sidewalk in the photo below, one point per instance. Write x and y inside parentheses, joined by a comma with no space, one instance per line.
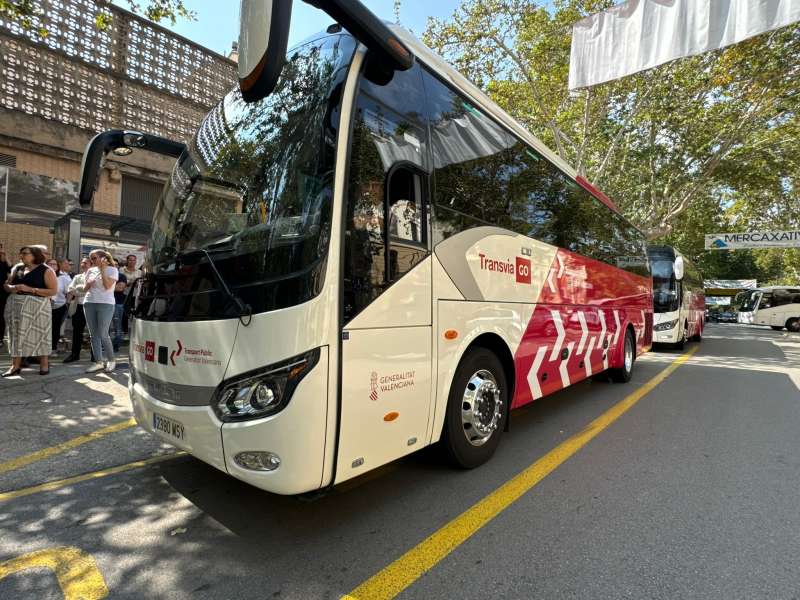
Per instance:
(57,367)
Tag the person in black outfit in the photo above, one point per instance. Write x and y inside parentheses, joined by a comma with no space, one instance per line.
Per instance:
(28,313)
(5,269)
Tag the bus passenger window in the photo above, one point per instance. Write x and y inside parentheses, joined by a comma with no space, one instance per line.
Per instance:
(405,209)
(385,223)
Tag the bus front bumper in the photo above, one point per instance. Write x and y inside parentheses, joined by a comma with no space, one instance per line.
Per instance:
(296,435)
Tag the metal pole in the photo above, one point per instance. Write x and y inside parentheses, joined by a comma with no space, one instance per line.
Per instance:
(5,200)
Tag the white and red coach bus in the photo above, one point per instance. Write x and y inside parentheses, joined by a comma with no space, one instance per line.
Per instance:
(370,259)
(679,299)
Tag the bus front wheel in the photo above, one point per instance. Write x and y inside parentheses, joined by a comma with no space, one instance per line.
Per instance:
(680,344)
(698,337)
(477,408)
(793,325)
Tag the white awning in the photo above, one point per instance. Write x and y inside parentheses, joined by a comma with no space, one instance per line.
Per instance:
(641,34)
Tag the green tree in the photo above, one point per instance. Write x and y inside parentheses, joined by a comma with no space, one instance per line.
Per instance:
(707,131)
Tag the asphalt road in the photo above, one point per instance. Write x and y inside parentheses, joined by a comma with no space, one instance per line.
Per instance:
(692,493)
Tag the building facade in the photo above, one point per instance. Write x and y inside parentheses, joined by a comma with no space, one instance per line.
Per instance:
(59,90)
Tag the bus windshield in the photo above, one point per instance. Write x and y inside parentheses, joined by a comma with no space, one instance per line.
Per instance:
(749,301)
(253,193)
(665,286)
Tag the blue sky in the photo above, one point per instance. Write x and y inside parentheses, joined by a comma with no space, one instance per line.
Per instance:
(217,23)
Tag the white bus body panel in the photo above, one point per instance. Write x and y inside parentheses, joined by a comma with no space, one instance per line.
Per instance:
(297,435)
(201,426)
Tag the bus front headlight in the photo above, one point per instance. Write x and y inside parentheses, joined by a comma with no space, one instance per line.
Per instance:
(665,326)
(263,392)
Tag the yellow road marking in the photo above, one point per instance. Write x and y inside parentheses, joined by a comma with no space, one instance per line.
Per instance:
(76,571)
(404,571)
(16,463)
(59,483)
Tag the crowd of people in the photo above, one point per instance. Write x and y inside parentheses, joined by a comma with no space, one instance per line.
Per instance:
(40,293)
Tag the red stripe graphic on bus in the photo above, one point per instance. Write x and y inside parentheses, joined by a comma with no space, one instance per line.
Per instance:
(576,325)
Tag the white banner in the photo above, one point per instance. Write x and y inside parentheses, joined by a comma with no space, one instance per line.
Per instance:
(641,34)
(753,239)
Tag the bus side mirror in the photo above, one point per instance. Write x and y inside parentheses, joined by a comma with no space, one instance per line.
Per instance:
(263,40)
(679,268)
(121,143)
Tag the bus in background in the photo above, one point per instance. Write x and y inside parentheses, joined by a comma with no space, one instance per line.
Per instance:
(367,261)
(776,306)
(679,300)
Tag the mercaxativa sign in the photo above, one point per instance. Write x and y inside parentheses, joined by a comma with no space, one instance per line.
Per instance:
(753,239)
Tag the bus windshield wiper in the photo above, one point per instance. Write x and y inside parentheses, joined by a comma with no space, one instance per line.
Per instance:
(244,310)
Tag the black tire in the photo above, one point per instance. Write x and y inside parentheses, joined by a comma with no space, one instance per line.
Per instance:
(793,325)
(776,327)
(456,435)
(681,344)
(624,373)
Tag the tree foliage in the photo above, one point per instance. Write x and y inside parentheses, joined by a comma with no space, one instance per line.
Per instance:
(701,144)
(26,12)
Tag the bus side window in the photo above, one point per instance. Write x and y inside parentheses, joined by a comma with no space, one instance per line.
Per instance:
(385,221)
(407,226)
(472,169)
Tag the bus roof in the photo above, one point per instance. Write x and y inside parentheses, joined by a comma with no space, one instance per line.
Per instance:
(445,71)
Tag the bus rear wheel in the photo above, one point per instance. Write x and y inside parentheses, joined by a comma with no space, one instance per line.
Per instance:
(793,325)
(624,373)
(477,408)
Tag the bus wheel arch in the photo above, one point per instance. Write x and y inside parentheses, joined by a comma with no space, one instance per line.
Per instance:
(698,335)
(473,420)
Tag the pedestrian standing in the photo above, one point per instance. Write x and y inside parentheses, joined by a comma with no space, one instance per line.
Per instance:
(5,270)
(98,307)
(28,314)
(66,267)
(77,296)
(59,302)
(119,305)
(132,273)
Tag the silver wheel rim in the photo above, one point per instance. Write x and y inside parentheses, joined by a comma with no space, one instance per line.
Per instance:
(481,408)
(628,354)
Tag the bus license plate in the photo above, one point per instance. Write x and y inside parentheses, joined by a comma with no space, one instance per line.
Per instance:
(169,426)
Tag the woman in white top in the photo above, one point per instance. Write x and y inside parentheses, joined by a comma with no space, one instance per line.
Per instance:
(59,301)
(98,307)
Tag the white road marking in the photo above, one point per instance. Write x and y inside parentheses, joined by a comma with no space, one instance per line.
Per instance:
(588,361)
(562,368)
(533,377)
(584,331)
(561,334)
